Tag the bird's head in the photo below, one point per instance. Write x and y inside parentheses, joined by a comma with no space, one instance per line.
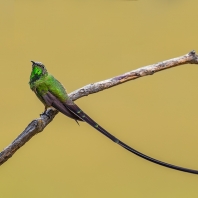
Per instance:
(38,70)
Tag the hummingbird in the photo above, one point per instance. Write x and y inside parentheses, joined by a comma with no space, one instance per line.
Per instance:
(53,94)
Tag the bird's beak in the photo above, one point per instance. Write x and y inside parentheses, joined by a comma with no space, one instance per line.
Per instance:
(32,62)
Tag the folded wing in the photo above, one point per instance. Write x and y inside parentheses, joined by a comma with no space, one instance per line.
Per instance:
(53,101)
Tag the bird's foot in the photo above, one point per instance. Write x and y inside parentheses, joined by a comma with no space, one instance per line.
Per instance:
(49,112)
(45,113)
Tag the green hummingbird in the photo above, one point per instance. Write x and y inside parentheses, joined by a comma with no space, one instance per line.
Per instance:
(52,94)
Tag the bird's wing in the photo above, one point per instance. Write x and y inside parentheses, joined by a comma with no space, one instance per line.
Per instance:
(53,101)
(74,109)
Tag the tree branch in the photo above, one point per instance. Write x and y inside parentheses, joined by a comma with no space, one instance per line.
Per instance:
(38,125)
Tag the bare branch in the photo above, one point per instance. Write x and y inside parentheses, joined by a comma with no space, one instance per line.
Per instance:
(190,58)
(39,124)
(32,129)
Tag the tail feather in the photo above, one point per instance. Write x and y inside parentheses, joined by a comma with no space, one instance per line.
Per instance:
(79,113)
(73,108)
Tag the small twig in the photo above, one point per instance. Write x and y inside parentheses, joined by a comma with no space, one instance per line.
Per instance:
(39,124)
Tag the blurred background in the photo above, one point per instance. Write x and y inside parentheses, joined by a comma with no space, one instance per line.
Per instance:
(82,42)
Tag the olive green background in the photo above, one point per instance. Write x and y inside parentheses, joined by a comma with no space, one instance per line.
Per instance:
(82,42)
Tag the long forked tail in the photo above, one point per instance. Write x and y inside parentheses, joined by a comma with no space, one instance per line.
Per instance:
(78,112)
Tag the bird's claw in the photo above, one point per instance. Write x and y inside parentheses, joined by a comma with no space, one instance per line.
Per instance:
(45,114)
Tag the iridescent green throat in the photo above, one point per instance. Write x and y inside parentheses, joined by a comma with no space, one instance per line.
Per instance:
(36,74)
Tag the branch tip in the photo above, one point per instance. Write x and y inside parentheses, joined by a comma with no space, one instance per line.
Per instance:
(192,53)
